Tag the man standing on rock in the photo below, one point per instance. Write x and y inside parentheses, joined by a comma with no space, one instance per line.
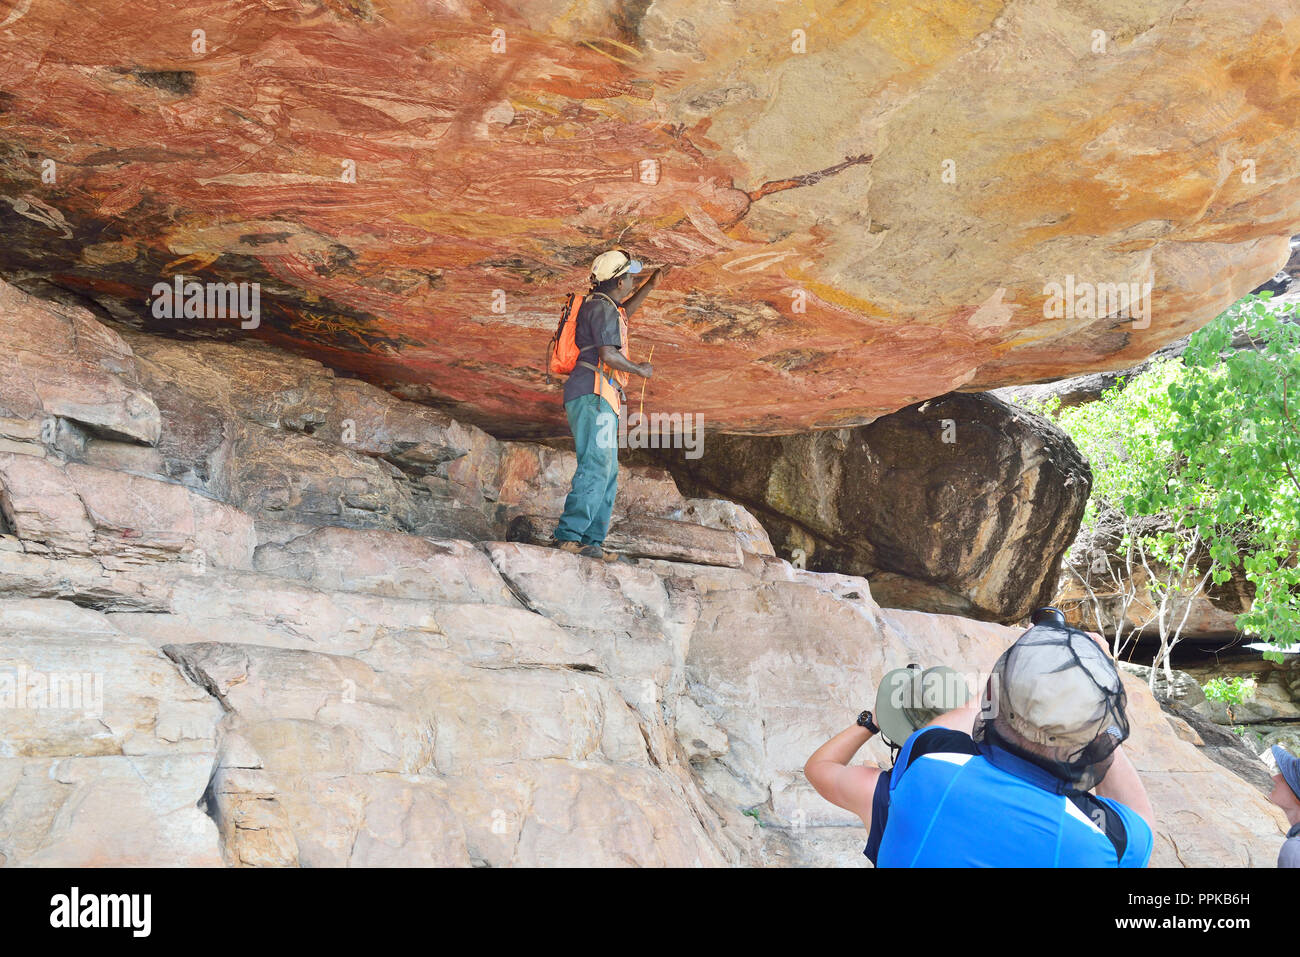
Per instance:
(1006,783)
(593,399)
(1286,795)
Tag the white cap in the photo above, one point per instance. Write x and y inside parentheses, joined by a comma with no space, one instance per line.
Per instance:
(1059,688)
(613,263)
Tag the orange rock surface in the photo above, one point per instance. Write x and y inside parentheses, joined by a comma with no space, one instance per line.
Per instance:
(864,203)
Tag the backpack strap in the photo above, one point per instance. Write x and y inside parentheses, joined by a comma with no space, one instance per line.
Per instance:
(613,382)
(1105,817)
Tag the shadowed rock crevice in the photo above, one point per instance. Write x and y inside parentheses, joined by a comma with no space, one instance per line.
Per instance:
(180,82)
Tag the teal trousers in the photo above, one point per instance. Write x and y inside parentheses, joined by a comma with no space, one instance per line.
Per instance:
(595,483)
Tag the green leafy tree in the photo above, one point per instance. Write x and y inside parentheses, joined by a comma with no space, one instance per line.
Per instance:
(1235,431)
(1196,467)
(1125,435)
(1231,691)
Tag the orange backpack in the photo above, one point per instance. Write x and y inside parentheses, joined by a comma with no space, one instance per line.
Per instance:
(562,350)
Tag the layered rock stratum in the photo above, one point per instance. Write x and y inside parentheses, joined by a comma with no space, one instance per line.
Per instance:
(257,616)
(867,205)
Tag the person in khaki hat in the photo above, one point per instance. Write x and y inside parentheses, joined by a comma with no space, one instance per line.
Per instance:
(1286,795)
(1030,776)
(593,399)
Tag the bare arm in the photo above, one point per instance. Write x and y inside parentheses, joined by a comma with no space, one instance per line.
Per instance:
(612,357)
(633,302)
(1122,784)
(828,771)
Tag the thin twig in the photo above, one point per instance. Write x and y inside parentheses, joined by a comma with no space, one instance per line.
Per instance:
(644,383)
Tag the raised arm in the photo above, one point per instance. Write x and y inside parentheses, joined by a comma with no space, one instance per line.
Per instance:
(1122,784)
(633,302)
(828,771)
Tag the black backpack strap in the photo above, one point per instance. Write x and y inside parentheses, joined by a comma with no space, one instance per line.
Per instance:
(938,739)
(1104,816)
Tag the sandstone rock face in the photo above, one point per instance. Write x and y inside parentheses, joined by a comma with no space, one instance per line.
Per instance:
(1276,697)
(370,696)
(388,564)
(60,362)
(415,185)
(1221,745)
(647,538)
(286,440)
(280,438)
(1080,390)
(963,503)
(1121,597)
(105,749)
(80,509)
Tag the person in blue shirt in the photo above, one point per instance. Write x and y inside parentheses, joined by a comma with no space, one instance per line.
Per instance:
(1032,775)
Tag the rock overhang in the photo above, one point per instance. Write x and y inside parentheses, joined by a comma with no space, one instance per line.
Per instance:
(862,211)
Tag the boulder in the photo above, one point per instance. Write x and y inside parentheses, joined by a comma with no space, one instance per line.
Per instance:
(962,504)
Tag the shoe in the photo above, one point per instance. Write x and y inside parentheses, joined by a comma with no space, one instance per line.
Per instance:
(592,551)
(573,548)
(612,557)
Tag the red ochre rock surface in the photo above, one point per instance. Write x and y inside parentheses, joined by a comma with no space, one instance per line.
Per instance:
(863,203)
